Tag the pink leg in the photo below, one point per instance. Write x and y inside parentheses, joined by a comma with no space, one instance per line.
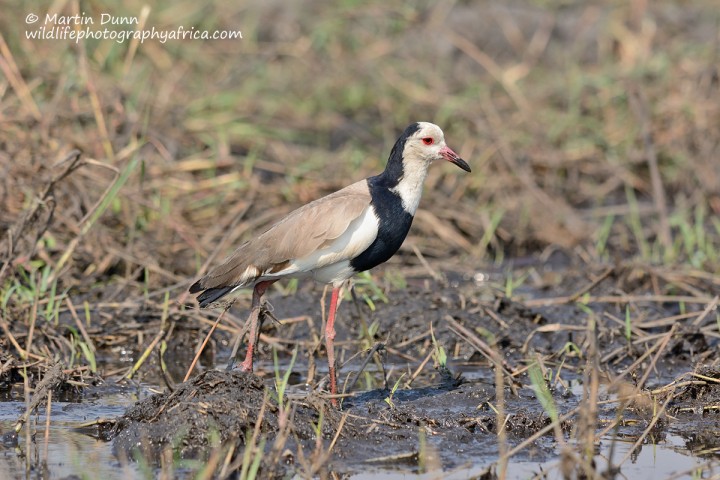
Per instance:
(258,292)
(329,340)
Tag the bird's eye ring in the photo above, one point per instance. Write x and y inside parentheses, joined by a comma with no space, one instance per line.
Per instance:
(428,140)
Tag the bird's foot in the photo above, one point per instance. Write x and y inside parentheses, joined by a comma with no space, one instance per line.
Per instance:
(246,366)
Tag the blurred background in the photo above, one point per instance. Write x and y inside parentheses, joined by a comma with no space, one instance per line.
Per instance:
(591,128)
(129,167)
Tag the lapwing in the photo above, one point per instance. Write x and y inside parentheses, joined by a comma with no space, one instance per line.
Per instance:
(333,238)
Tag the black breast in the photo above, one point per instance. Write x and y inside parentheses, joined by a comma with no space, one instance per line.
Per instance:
(393,227)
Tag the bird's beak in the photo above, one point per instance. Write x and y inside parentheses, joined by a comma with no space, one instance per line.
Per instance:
(453,157)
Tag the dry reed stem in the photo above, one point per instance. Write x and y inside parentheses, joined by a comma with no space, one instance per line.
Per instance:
(484,349)
(487,62)
(377,347)
(202,347)
(639,106)
(712,306)
(146,353)
(591,285)
(693,471)
(500,418)
(663,343)
(578,410)
(53,377)
(419,369)
(12,73)
(320,457)
(208,469)
(135,41)
(647,430)
(621,300)
(94,97)
(30,216)
(33,321)
(80,325)
(226,463)
(47,426)
(432,272)
(23,420)
(588,406)
(547,428)
(23,353)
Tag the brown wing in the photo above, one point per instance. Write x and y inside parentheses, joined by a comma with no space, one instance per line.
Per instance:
(297,235)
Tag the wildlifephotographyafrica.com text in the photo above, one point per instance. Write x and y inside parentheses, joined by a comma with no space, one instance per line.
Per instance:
(81,27)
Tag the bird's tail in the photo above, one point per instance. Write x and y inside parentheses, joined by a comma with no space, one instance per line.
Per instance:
(209,295)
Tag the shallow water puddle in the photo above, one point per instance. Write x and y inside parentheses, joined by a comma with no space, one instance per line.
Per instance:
(667,459)
(69,451)
(652,461)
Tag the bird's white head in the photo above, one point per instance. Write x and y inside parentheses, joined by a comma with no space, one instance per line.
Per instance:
(419,145)
(427,144)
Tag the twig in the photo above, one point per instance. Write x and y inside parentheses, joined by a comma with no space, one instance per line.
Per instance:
(653,362)
(546,302)
(483,348)
(29,216)
(12,73)
(47,424)
(711,306)
(337,434)
(433,273)
(53,377)
(144,356)
(23,354)
(591,285)
(79,324)
(202,347)
(547,428)
(419,369)
(33,321)
(167,378)
(374,349)
(650,426)
(501,419)
(487,62)
(639,106)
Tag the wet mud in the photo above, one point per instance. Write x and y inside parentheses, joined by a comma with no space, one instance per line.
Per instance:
(447,416)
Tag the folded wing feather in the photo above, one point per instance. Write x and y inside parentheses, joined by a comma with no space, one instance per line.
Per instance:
(295,238)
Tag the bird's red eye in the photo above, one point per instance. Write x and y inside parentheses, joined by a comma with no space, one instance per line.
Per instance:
(428,140)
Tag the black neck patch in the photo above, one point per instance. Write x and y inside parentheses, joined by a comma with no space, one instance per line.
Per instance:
(394,169)
(393,225)
(393,220)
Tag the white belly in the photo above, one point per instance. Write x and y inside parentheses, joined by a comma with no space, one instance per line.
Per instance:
(334,274)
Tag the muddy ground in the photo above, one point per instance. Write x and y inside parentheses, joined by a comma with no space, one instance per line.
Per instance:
(664,382)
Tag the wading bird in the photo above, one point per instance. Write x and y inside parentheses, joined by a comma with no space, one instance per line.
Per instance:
(334,237)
